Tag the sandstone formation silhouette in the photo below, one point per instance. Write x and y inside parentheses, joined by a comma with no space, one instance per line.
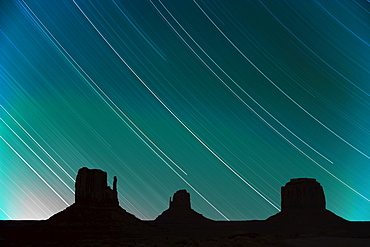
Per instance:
(303,206)
(91,188)
(95,216)
(180,211)
(96,219)
(301,193)
(96,206)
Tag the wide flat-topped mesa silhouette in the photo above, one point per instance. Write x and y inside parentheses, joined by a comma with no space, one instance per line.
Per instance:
(91,187)
(180,211)
(303,204)
(302,193)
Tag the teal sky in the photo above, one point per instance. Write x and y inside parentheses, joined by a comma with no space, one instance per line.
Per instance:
(226,99)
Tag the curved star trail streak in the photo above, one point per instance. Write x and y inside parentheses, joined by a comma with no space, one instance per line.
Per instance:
(25,131)
(314,53)
(227,99)
(236,95)
(107,97)
(259,106)
(348,29)
(43,180)
(282,91)
(133,125)
(38,157)
(174,115)
(7,215)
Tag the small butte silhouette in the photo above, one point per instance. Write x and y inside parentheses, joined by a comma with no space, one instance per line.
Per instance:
(96,219)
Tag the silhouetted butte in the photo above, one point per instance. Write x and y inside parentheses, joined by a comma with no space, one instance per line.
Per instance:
(180,211)
(303,206)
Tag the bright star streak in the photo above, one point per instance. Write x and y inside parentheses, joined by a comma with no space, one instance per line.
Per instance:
(314,53)
(169,110)
(43,180)
(315,162)
(136,127)
(342,24)
(66,86)
(106,97)
(25,131)
(276,86)
(29,148)
(141,34)
(236,95)
(7,215)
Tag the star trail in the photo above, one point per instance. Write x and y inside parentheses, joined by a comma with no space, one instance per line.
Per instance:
(226,99)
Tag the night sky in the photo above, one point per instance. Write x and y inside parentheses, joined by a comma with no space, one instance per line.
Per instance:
(226,99)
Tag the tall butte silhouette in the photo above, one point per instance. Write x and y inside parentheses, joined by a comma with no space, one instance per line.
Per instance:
(95,216)
(96,207)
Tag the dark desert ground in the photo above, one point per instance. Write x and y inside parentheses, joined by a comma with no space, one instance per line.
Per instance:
(96,219)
